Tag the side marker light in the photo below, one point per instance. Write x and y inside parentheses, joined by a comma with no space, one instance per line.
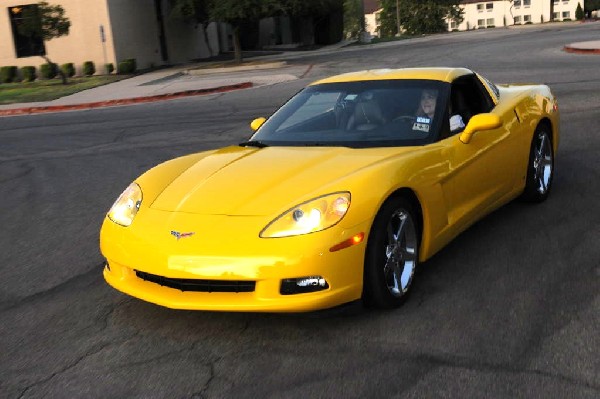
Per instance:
(356,239)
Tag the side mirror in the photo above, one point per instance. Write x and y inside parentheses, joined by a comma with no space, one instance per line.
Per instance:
(480,122)
(258,122)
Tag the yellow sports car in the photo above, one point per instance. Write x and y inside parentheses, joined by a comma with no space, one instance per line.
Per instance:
(337,196)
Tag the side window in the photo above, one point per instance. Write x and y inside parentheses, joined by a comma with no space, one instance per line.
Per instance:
(468,97)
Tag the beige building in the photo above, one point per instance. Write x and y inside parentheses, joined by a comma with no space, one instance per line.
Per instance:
(495,13)
(109,31)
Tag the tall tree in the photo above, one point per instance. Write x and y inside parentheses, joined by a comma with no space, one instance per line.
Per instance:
(353,18)
(418,17)
(48,22)
(236,12)
(193,11)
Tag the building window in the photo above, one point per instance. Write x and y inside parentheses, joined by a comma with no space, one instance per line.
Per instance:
(489,6)
(566,14)
(527,3)
(453,25)
(527,18)
(481,23)
(555,15)
(480,7)
(518,19)
(25,46)
(490,22)
(517,3)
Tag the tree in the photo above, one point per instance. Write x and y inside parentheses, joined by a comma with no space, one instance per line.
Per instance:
(591,5)
(236,12)
(352,18)
(48,22)
(194,11)
(418,17)
(579,12)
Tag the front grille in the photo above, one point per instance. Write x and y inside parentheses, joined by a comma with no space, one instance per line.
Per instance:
(190,284)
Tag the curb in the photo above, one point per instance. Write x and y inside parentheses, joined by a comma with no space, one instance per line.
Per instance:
(581,50)
(124,101)
(210,71)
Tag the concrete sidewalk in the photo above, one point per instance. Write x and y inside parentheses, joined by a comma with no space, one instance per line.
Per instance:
(591,47)
(170,83)
(177,82)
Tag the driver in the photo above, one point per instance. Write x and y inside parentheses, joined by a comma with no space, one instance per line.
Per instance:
(426,111)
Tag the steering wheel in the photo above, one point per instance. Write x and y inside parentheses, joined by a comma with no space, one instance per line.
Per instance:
(404,118)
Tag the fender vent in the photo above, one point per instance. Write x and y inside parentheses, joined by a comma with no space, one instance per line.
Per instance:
(194,285)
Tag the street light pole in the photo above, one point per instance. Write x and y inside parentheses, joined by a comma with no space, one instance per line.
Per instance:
(398,17)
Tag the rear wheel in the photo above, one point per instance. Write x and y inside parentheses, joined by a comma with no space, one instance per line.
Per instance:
(540,169)
(392,254)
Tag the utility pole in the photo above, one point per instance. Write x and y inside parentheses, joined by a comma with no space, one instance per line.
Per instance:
(398,17)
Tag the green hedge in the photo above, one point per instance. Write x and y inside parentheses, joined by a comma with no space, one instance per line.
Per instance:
(29,73)
(109,68)
(127,66)
(8,74)
(48,71)
(89,68)
(68,69)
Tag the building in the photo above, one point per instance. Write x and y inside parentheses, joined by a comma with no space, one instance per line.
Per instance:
(110,31)
(495,13)
(372,9)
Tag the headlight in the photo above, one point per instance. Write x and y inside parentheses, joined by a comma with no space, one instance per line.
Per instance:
(126,206)
(314,215)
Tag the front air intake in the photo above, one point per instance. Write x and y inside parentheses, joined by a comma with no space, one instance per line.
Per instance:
(194,285)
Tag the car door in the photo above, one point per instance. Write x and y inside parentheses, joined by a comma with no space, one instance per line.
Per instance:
(481,171)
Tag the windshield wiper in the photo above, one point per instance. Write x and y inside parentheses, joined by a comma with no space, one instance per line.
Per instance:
(253,143)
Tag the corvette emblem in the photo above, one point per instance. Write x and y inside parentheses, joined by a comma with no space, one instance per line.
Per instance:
(179,235)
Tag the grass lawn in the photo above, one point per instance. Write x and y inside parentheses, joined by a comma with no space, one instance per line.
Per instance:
(46,90)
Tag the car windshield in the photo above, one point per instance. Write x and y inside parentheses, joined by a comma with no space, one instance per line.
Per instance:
(359,114)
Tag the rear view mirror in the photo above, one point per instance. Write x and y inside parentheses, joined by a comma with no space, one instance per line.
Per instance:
(258,122)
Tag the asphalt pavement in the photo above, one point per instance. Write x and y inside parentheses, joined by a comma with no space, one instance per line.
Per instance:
(509,309)
(198,79)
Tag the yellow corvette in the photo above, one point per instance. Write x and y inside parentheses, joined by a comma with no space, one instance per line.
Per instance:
(337,196)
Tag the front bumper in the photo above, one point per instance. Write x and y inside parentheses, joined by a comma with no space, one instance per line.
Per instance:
(241,257)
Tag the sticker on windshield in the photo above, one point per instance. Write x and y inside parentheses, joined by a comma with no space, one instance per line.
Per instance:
(422,119)
(351,97)
(422,127)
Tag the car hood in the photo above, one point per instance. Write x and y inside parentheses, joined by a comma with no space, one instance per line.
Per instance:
(252,182)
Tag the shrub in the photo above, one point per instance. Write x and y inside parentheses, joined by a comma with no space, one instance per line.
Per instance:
(567,20)
(68,69)
(127,66)
(28,73)
(109,68)
(89,68)
(133,64)
(8,74)
(48,71)
(491,26)
(579,12)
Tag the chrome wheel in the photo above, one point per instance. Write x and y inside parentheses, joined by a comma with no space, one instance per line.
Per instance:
(542,163)
(400,253)
(392,253)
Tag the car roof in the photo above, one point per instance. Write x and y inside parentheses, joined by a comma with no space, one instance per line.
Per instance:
(440,74)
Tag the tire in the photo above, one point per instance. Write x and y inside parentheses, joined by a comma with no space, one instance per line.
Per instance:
(392,254)
(540,167)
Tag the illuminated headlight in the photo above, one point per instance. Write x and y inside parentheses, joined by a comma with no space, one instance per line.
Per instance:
(126,206)
(311,216)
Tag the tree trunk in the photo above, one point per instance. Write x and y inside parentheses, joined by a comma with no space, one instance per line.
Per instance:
(551,10)
(237,47)
(62,75)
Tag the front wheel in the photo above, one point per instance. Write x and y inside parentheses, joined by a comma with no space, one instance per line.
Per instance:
(540,169)
(392,254)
